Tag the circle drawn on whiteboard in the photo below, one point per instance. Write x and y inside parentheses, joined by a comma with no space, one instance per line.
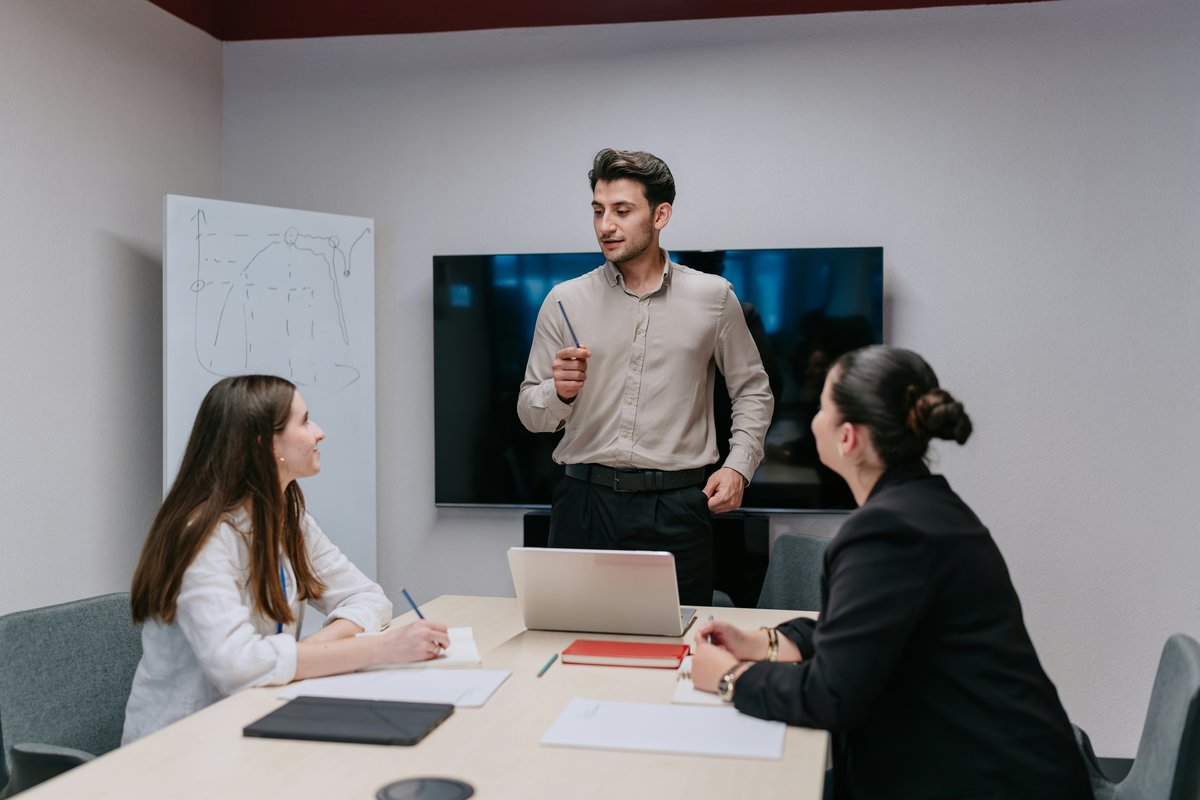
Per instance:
(197,286)
(290,237)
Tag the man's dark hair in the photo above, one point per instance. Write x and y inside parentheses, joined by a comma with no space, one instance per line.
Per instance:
(647,169)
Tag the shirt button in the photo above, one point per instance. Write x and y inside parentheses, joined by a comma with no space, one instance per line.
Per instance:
(628,401)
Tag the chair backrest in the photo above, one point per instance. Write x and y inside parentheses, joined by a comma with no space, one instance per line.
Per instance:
(1166,762)
(65,673)
(793,579)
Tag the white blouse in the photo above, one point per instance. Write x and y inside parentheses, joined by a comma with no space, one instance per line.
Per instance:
(220,643)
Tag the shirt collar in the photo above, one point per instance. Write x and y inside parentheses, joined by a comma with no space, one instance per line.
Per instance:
(612,274)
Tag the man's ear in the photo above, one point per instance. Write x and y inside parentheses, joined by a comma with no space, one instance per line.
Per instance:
(662,215)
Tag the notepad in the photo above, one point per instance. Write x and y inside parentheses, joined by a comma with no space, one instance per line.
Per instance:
(624,654)
(686,691)
(462,652)
(465,688)
(663,728)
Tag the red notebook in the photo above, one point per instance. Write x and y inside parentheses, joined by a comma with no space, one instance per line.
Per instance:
(624,654)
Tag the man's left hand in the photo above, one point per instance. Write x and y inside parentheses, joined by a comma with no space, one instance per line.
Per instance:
(724,490)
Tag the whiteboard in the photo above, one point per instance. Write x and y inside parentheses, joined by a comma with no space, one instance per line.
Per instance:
(255,289)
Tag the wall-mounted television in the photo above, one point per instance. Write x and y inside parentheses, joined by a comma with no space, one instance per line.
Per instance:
(805,307)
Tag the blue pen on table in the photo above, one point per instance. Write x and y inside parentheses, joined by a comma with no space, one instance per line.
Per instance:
(546,666)
(408,597)
(574,338)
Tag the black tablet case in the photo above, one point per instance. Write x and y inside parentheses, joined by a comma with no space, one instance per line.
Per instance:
(335,719)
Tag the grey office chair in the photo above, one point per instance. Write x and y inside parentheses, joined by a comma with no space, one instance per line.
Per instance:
(1167,765)
(65,673)
(793,578)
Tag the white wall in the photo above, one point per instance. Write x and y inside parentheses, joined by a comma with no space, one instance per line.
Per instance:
(1030,170)
(103,109)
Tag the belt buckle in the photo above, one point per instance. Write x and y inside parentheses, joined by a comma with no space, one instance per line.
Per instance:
(630,480)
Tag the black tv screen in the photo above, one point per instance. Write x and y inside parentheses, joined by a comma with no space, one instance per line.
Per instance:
(805,307)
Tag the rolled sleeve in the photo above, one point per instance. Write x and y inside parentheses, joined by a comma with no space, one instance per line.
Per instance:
(349,594)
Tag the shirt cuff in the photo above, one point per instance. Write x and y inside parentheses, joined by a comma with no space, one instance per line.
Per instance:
(741,466)
(361,617)
(285,665)
(548,399)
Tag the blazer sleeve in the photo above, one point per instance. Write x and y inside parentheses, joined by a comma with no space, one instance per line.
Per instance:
(800,631)
(878,593)
(349,594)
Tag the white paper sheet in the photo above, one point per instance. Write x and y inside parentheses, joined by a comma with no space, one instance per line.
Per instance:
(465,688)
(687,693)
(462,652)
(664,728)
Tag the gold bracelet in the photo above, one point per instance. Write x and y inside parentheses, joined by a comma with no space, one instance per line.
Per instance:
(772,643)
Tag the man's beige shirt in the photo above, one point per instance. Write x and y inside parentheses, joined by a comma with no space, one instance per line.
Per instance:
(648,399)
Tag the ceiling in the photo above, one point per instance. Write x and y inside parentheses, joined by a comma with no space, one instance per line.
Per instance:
(238,20)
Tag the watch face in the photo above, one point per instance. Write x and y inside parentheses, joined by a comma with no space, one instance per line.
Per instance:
(725,687)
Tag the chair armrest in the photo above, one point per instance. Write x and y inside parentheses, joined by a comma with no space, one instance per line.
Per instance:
(1102,787)
(33,763)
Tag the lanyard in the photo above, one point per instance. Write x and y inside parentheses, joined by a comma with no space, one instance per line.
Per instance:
(283,583)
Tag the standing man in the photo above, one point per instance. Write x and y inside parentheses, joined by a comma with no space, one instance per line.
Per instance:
(625,358)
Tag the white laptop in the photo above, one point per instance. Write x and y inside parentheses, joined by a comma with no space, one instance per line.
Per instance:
(598,591)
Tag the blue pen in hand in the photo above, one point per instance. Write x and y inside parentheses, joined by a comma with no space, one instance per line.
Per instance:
(408,597)
(574,338)
(709,637)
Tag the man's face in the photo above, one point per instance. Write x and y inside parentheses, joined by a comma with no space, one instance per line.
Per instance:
(625,228)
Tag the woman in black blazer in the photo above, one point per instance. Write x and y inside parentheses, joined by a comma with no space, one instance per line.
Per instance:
(920,665)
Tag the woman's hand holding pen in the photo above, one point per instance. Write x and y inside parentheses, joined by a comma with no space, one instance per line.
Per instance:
(719,647)
(742,645)
(709,663)
(420,641)
(570,371)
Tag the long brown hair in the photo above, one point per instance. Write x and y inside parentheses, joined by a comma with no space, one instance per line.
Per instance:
(229,462)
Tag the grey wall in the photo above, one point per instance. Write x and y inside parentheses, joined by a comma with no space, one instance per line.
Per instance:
(103,109)
(1030,170)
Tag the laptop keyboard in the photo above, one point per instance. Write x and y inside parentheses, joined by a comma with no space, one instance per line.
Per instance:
(685,616)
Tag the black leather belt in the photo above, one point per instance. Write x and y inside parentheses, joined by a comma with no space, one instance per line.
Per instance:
(635,480)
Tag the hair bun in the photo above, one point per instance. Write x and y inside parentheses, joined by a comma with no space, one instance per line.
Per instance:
(937,415)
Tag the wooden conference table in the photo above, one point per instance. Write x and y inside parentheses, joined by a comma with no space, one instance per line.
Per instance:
(494,748)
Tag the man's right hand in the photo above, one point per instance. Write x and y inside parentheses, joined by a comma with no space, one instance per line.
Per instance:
(570,371)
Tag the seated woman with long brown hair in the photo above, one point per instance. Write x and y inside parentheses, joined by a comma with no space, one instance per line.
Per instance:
(232,558)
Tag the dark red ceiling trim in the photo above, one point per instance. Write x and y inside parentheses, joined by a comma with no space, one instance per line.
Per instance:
(237,20)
